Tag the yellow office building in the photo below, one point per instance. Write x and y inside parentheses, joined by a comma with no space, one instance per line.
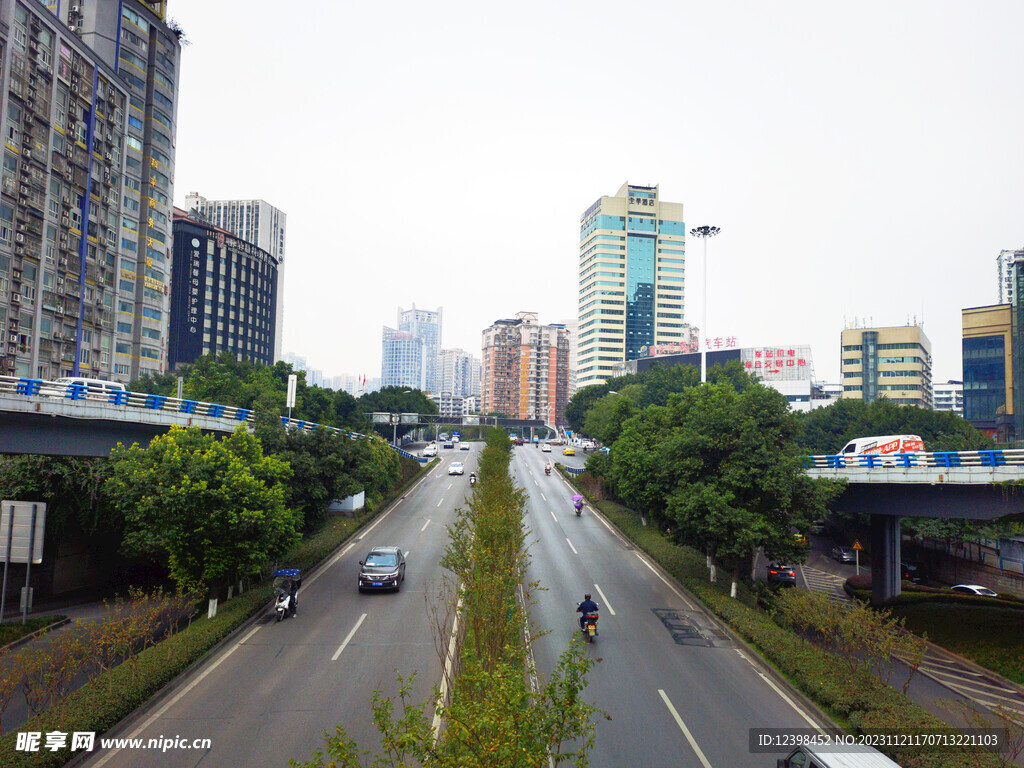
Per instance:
(894,363)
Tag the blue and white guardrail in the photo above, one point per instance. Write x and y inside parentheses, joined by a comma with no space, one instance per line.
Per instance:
(945,459)
(77,392)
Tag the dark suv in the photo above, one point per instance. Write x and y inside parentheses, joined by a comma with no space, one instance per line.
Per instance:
(383,568)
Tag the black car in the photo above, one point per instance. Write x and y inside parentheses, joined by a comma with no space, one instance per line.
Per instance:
(781,574)
(448,445)
(912,572)
(383,568)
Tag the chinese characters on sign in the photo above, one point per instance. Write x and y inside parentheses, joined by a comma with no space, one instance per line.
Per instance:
(682,347)
(193,287)
(778,362)
(641,201)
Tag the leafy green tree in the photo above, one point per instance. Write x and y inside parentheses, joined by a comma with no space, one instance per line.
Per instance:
(827,430)
(210,509)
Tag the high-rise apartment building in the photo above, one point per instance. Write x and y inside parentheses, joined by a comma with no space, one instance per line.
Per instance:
(223,296)
(572,327)
(89,94)
(525,369)
(426,325)
(256,222)
(893,362)
(456,373)
(631,279)
(403,360)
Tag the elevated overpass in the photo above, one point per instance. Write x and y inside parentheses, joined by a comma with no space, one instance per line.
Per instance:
(972,485)
(51,419)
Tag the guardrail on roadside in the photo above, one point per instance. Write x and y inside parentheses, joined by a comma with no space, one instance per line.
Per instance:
(77,392)
(943,459)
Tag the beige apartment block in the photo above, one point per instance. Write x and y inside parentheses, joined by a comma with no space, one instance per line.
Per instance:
(893,362)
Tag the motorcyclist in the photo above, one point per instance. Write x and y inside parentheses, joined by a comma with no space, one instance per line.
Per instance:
(547,468)
(289,585)
(587,606)
(472,478)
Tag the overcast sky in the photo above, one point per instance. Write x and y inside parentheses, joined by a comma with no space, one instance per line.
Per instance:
(864,160)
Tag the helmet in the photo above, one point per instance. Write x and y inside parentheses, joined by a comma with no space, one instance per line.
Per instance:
(586,596)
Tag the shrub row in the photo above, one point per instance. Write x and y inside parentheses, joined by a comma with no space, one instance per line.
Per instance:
(100,704)
(865,706)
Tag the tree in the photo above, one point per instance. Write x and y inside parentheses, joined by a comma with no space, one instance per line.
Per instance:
(827,430)
(210,509)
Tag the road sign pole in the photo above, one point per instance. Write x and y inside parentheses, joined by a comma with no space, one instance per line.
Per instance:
(28,564)
(7,562)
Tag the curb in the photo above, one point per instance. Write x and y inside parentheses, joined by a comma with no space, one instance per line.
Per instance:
(33,635)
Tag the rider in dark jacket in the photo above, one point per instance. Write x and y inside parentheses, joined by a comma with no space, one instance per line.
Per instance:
(587,606)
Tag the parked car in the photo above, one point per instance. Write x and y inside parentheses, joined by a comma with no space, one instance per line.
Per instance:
(383,568)
(974,589)
(568,451)
(844,554)
(782,574)
(456,468)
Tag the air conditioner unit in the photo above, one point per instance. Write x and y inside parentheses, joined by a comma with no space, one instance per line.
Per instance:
(20,238)
(76,9)
(109,157)
(16,298)
(23,189)
(27,154)
(13,338)
(60,310)
(73,28)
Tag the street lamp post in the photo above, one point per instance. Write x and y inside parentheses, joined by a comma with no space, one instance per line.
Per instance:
(704,233)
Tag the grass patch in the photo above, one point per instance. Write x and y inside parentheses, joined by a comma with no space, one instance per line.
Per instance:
(14,630)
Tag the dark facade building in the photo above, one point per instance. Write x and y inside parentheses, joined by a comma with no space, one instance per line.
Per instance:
(223,295)
(988,369)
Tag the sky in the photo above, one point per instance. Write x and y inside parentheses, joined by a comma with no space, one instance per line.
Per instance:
(864,161)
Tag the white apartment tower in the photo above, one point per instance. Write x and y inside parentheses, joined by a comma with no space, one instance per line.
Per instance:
(256,222)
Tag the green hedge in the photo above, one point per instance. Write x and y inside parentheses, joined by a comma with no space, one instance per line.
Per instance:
(866,705)
(100,704)
(13,629)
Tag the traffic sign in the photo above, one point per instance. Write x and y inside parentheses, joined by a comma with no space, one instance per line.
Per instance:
(856,545)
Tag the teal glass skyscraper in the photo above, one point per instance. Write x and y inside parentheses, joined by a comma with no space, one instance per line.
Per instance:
(631,286)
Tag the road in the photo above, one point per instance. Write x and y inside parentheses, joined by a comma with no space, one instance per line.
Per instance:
(679,692)
(269,696)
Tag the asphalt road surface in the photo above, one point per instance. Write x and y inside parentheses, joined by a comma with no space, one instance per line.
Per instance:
(679,692)
(270,694)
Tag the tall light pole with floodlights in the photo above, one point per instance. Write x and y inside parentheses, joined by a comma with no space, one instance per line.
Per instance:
(704,233)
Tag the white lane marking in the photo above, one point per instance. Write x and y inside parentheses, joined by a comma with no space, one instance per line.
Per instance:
(604,599)
(449,659)
(425,525)
(782,695)
(536,483)
(348,637)
(544,497)
(156,715)
(553,514)
(684,729)
(407,553)
(576,553)
(439,501)
(449,486)
(690,606)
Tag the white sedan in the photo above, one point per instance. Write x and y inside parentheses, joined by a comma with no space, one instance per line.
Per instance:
(545,448)
(455,468)
(974,589)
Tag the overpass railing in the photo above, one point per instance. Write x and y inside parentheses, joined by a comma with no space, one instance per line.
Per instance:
(84,394)
(931,459)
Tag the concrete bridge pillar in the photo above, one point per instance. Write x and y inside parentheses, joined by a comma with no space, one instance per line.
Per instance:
(885,557)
